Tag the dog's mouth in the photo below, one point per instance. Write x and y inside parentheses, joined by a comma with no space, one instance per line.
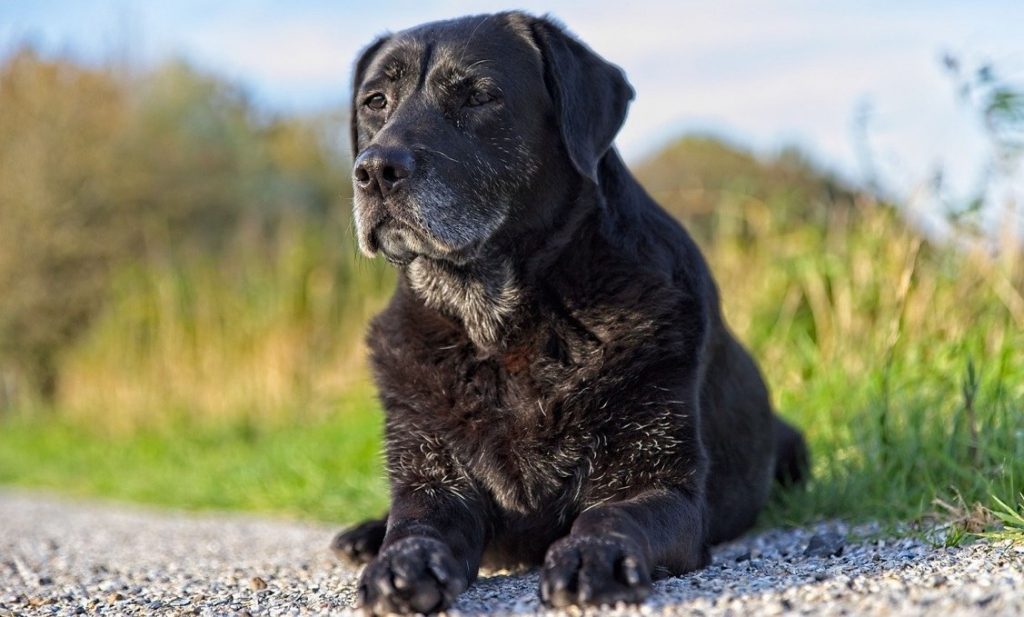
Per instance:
(396,241)
(430,223)
(400,241)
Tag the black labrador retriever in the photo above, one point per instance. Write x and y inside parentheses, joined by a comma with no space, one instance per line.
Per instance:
(558,382)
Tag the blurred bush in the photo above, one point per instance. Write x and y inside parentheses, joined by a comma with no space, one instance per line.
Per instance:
(166,190)
(62,221)
(700,178)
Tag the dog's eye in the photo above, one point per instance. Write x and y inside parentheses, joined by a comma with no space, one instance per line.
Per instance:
(376,101)
(478,97)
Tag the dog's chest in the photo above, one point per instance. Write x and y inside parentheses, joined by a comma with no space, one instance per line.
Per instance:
(517,444)
(527,423)
(517,427)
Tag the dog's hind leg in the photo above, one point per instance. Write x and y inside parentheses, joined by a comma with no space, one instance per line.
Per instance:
(360,543)
(792,462)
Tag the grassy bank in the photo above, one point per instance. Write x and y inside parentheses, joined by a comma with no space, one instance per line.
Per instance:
(329,469)
(900,359)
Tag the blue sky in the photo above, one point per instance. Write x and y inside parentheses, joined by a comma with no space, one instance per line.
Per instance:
(762,73)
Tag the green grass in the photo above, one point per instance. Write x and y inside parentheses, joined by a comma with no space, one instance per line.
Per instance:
(330,469)
(1012,519)
(888,458)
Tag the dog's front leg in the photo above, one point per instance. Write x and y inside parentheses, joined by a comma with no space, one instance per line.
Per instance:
(430,554)
(613,549)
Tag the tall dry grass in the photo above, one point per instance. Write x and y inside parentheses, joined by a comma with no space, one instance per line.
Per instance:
(269,335)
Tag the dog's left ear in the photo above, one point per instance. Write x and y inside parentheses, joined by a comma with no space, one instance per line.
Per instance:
(590,95)
(365,57)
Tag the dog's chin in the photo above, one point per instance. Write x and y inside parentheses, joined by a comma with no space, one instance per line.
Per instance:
(384,229)
(380,233)
(400,244)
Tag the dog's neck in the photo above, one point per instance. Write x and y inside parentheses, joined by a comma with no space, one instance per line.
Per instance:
(484,295)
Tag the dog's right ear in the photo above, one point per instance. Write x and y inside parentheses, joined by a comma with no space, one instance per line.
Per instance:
(365,58)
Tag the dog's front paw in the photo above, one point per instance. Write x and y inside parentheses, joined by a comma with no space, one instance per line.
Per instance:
(414,575)
(589,570)
(358,545)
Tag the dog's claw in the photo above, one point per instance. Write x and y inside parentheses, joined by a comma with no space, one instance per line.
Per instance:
(358,545)
(630,571)
(440,570)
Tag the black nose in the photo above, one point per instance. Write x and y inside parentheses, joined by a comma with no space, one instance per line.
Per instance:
(383,169)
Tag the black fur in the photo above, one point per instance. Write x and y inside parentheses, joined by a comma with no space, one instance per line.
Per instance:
(558,382)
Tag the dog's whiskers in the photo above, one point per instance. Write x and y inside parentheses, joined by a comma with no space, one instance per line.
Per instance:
(438,152)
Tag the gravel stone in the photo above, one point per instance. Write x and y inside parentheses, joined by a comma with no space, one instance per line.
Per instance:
(825,544)
(112,559)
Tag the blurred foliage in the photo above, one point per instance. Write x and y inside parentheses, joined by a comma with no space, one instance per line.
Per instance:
(999,101)
(993,214)
(697,177)
(264,334)
(60,127)
(159,174)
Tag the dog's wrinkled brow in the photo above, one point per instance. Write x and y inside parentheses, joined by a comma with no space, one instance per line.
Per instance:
(403,60)
(394,69)
(408,59)
(449,76)
(431,65)
(396,65)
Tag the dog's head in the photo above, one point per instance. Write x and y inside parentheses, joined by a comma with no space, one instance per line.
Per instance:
(457,124)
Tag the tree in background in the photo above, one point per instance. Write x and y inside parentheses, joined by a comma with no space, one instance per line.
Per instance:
(61,222)
(708,182)
(99,171)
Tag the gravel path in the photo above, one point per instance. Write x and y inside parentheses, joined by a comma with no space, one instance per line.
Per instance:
(65,557)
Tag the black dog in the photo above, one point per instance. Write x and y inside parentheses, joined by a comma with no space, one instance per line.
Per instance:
(558,382)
